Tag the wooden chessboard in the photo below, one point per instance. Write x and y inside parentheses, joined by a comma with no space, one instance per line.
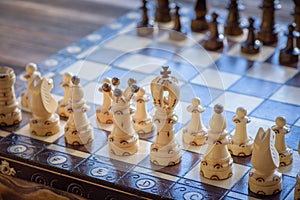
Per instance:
(258,83)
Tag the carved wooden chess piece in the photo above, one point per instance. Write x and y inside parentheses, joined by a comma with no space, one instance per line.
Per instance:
(251,45)
(214,41)
(123,140)
(296,15)
(145,26)
(264,178)
(240,144)
(10,114)
(66,85)
(232,25)
(162,12)
(165,150)
(297,187)
(178,33)
(31,73)
(217,161)
(195,133)
(142,122)
(103,112)
(199,23)
(285,152)
(45,121)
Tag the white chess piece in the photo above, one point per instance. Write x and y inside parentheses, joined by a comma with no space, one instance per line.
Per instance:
(195,133)
(45,121)
(66,85)
(78,129)
(264,178)
(127,91)
(10,114)
(123,140)
(142,122)
(297,187)
(240,143)
(285,152)
(217,161)
(165,150)
(103,112)
(31,74)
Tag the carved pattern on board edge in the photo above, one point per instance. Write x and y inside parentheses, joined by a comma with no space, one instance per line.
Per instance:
(6,169)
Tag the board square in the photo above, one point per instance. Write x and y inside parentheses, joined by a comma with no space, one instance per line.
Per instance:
(104,55)
(233,65)
(287,94)
(295,81)
(68,150)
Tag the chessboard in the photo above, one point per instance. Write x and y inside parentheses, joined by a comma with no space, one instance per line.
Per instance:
(258,83)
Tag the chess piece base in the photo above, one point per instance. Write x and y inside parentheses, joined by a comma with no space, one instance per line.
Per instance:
(177,36)
(216,170)
(265,185)
(252,49)
(145,130)
(199,25)
(241,150)
(145,30)
(194,139)
(74,137)
(62,111)
(11,118)
(266,37)
(44,127)
(233,30)
(123,147)
(165,156)
(213,44)
(286,157)
(286,57)
(297,188)
(104,118)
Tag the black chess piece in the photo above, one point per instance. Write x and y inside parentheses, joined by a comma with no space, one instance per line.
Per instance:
(289,54)
(200,24)
(177,33)
(144,27)
(296,15)
(268,32)
(214,41)
(232,25)
(162,13)
(251,45)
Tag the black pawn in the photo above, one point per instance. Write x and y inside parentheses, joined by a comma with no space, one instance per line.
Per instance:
(289,54)
(144,27)
(296,15)
(199,23)
(268,33)
(251,45)
(232,25)
(178,32)
(162,13)
(214,41)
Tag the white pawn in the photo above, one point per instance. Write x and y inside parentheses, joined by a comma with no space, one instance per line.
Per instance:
(103,112)
(78,129)
(285,152)
(297,187)
(66,85)
(31,74)
(127,91)
(195,133)
(240,143)
(264,178)
(217,161)
(142,122)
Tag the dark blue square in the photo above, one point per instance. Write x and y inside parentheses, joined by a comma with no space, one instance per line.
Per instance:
(295,81)
(183,71)
(254,87)
(292,139)
(235,65)
(271,109)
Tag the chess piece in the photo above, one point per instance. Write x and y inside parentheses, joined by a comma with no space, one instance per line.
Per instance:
(78,129)
(178,33)
(268,33)
(103,112)
(264,178)
(115,82)
(128,91)
(123,140)
(10,114)
(142,122)
(297,187)
(162,13)
(195,133)
(165,151)
(217,161)
(251,45)
(66,85)
(31,73)
(145,27)
(232,26)
(199,23)
(240,144)
(214,41)
(289,54)
(285,152)
(296,15)
(45,121)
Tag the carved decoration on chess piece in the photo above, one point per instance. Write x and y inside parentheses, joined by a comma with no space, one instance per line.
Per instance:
(142,121)
(78,129)
(165,150)
(285,152)
(66,85)
(264,179)
(31,73)
(195,133)
(240,144)
(297,187)
(123,140)
(44,121)
(6,169)
(217,161)
(10,114)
